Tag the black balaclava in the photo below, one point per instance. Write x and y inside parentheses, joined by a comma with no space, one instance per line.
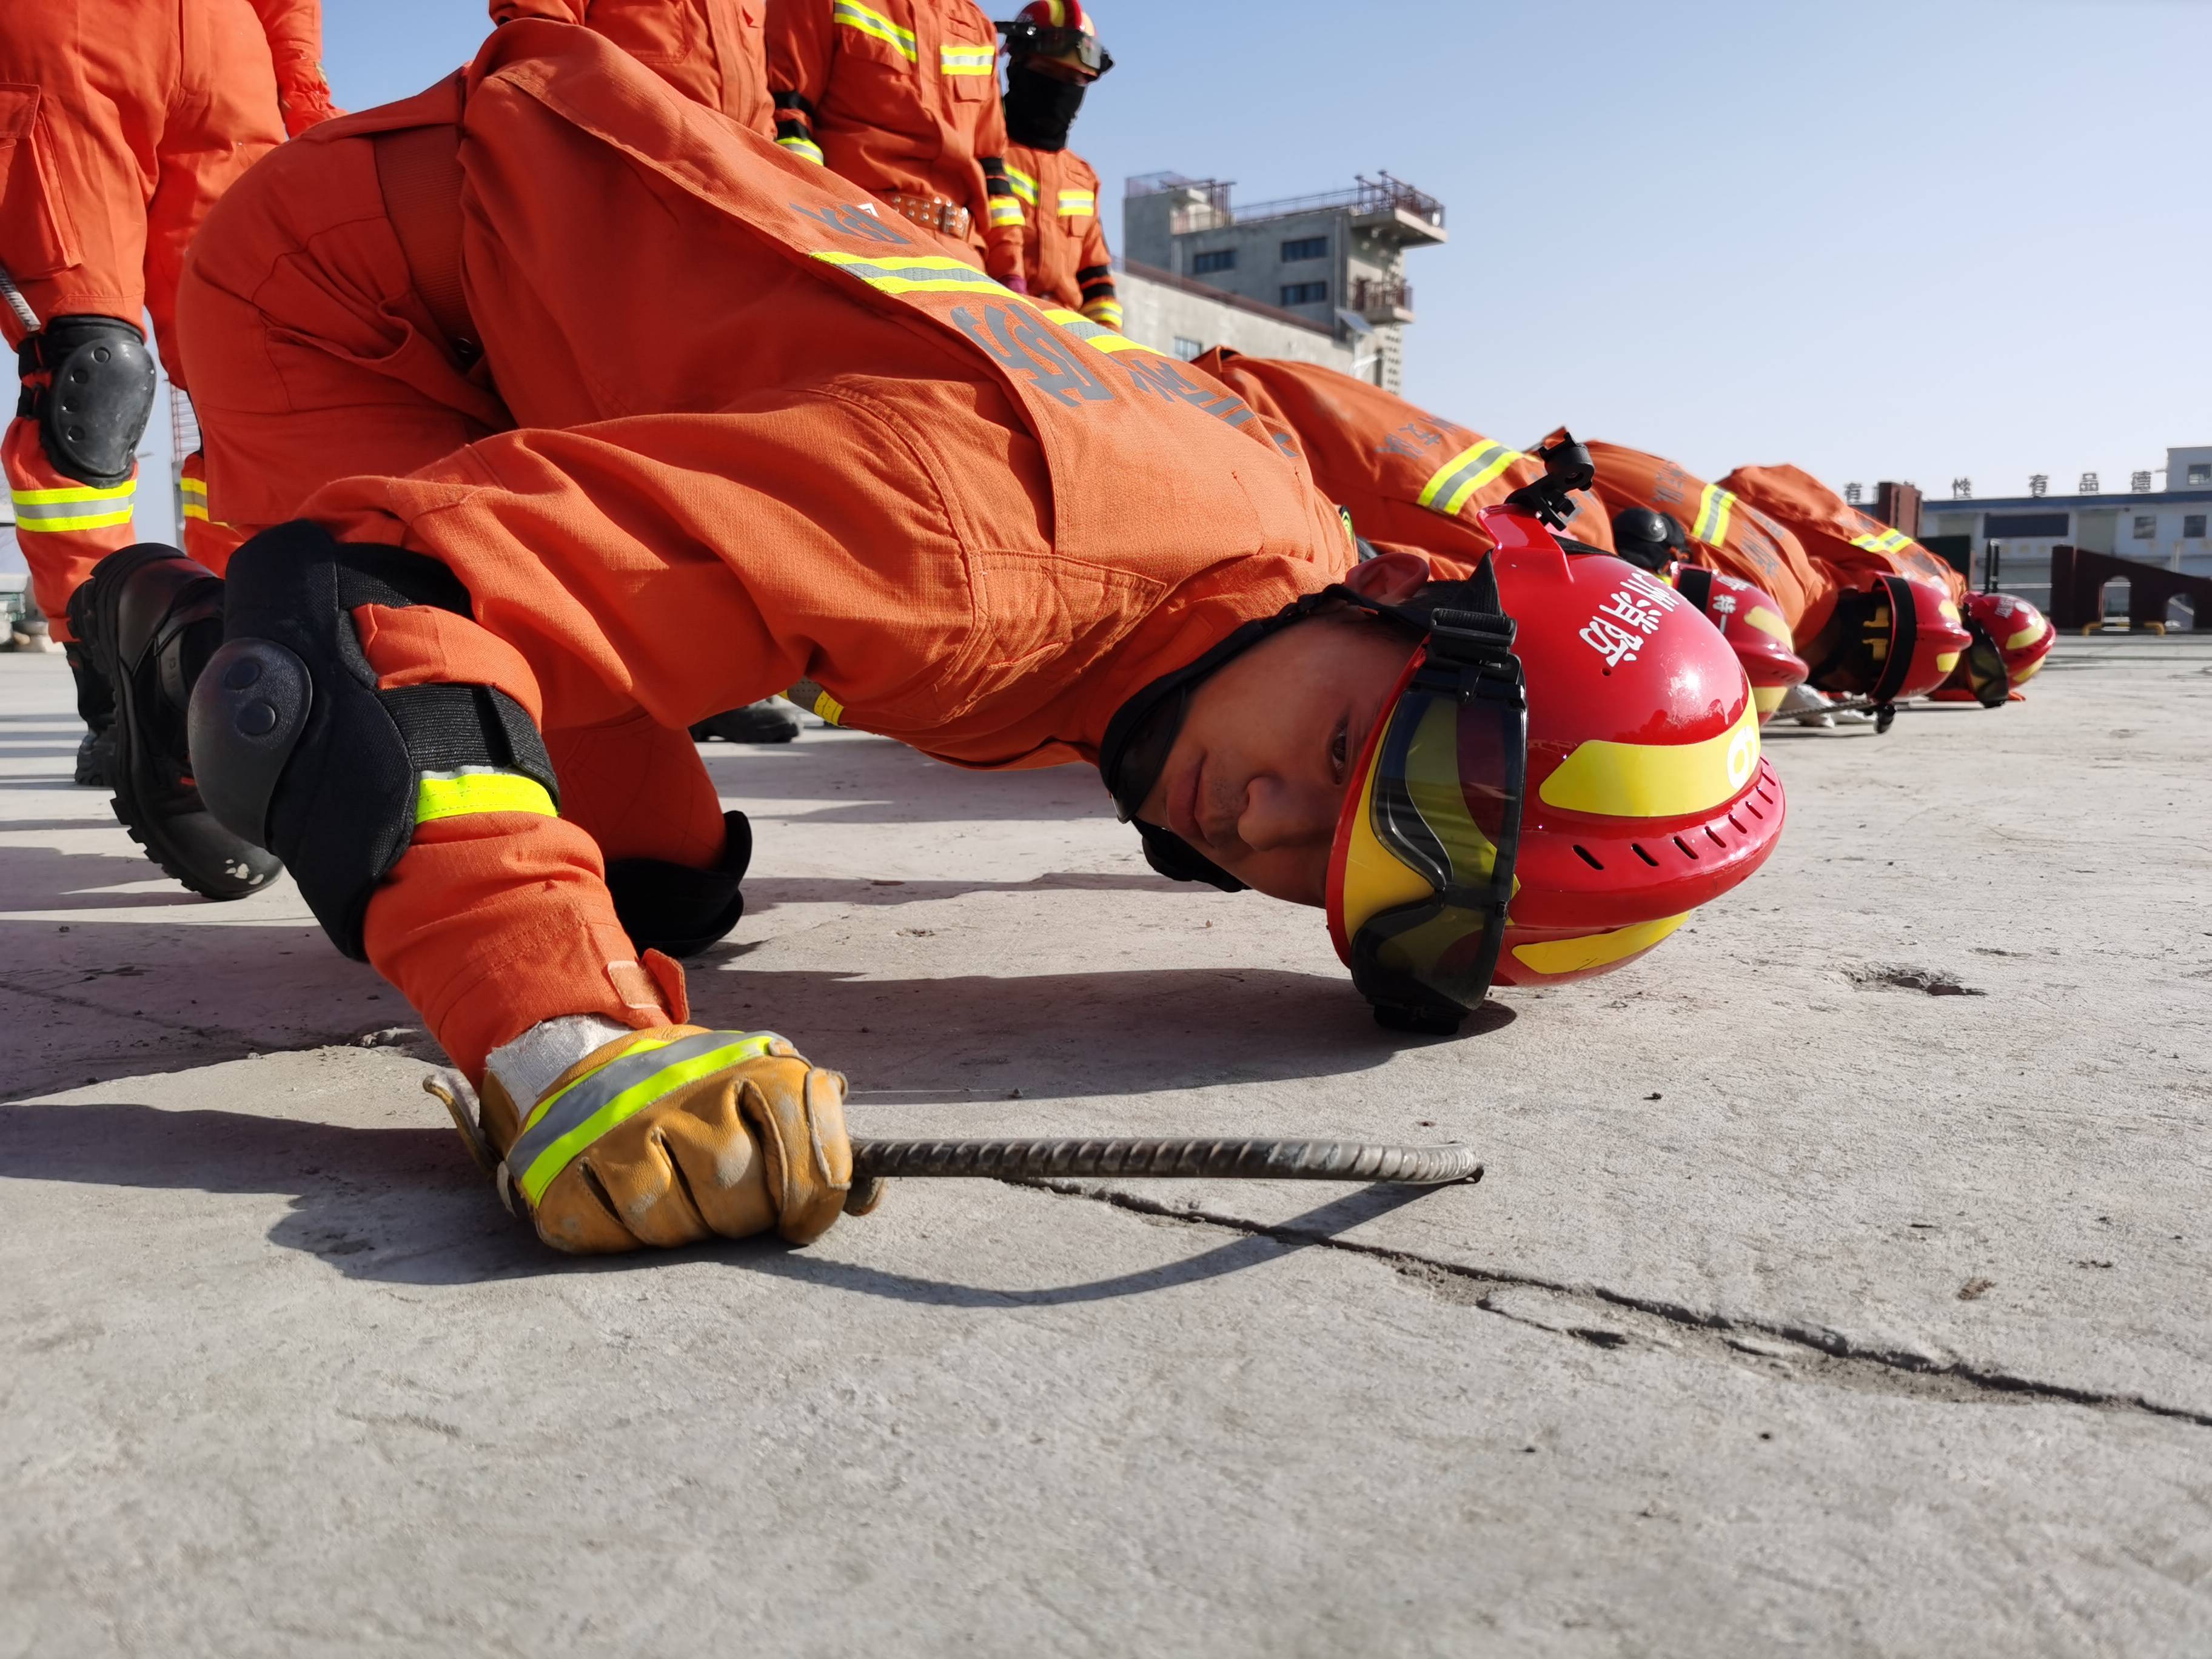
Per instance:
(1040,108)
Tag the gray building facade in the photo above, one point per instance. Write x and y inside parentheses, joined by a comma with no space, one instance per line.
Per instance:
(1336,260)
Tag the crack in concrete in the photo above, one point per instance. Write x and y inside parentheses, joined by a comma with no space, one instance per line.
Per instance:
(1797,1352)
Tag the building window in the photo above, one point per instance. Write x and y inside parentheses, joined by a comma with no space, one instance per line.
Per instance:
(2146,525)
(2200,472)
(2032,526)
(1187,349)
(1305,294)
(1220,258)
(2192,524)
(1305,248)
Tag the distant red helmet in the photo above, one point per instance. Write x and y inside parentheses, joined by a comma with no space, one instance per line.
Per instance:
(1560,835)
(1896,638)
(2011,639)
(1750,621)
(1057,29)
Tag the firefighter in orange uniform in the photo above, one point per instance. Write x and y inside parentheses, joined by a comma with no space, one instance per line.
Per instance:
(119,126)
(713,51)
(901,97)
(1052,55)
(983,526)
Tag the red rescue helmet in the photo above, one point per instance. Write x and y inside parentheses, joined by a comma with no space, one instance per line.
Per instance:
(1059,30)
(1896,638)
(1568,765)
(1750,621)
(2011,639)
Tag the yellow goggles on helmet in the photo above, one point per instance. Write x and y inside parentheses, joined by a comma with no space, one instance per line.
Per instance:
(1422,868)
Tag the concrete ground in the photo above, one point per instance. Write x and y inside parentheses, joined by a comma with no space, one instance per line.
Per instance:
(1839,1285)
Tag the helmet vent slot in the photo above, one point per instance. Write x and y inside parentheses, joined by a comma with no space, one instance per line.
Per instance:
(1713,836)
(1738,821)
(1589,858)
(1685,846)
(1754,811)
(1638,847)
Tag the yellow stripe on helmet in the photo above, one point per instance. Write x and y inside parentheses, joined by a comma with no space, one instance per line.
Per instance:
(1655,780)
(1577,956)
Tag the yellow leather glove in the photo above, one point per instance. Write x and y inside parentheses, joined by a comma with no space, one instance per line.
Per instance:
(670,1136)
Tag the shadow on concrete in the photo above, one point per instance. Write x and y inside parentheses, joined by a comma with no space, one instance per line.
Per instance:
(950,1041)
(407,1206)
(47,878)
(764,893)
(845,779)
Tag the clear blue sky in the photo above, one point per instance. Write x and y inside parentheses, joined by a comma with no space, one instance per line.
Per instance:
(1880,240)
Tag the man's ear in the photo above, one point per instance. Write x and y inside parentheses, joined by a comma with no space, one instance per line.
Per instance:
(1389,578)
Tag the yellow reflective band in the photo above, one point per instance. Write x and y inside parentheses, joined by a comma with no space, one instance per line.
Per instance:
(1887,541)
(1078,204)
(805,147)
(1024,185)
(1655,780)
(194,509)
(854,15)
(194,491)
(1105,313)
(1714,508)
(1575,956)
(121,492)
(1006,210)
(1097,334)
(2025,638)
(547,1165)
(1466,472)
(73,521)
(452,794)
(966,60)
(921,273)
(1766,621)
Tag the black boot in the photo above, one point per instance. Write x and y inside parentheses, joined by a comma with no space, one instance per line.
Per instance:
(770,720)
(150,619)
(96,707)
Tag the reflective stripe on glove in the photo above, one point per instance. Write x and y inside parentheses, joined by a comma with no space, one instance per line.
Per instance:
(673,1135)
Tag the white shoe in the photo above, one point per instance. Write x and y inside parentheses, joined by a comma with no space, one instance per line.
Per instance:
(1806,705)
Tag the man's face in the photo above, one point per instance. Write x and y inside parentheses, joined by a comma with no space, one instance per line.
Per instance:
(1259,770)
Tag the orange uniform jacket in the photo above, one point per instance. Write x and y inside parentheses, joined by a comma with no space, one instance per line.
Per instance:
(900,97)
(1843,541)
(120,125)
(1064,242)
(713,51)
(971,528)
(1405,477)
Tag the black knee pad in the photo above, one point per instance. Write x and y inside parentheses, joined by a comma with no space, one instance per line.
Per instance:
(676,909)
(94,412)
(295,748)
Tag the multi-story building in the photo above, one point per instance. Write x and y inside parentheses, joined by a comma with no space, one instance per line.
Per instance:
(1336,262)
(2165,528)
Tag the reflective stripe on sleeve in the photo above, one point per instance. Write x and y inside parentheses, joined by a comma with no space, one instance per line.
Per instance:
(874,24)
(1447,491)
(806,149)
(929,273)
(1006,210)
(1103,337)
(194,491)
(1025,185)
(569,1120)
(79,506)
(1887,541)
(1715,508)
(1106,312)
(966,60)
(1078,204)
(479,789)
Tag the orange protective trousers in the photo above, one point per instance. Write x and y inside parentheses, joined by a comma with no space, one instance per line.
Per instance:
(120,125)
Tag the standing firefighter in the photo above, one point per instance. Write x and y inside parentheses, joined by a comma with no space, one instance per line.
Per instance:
(454,703)
(1052,55)
(902,98)
(120,124)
